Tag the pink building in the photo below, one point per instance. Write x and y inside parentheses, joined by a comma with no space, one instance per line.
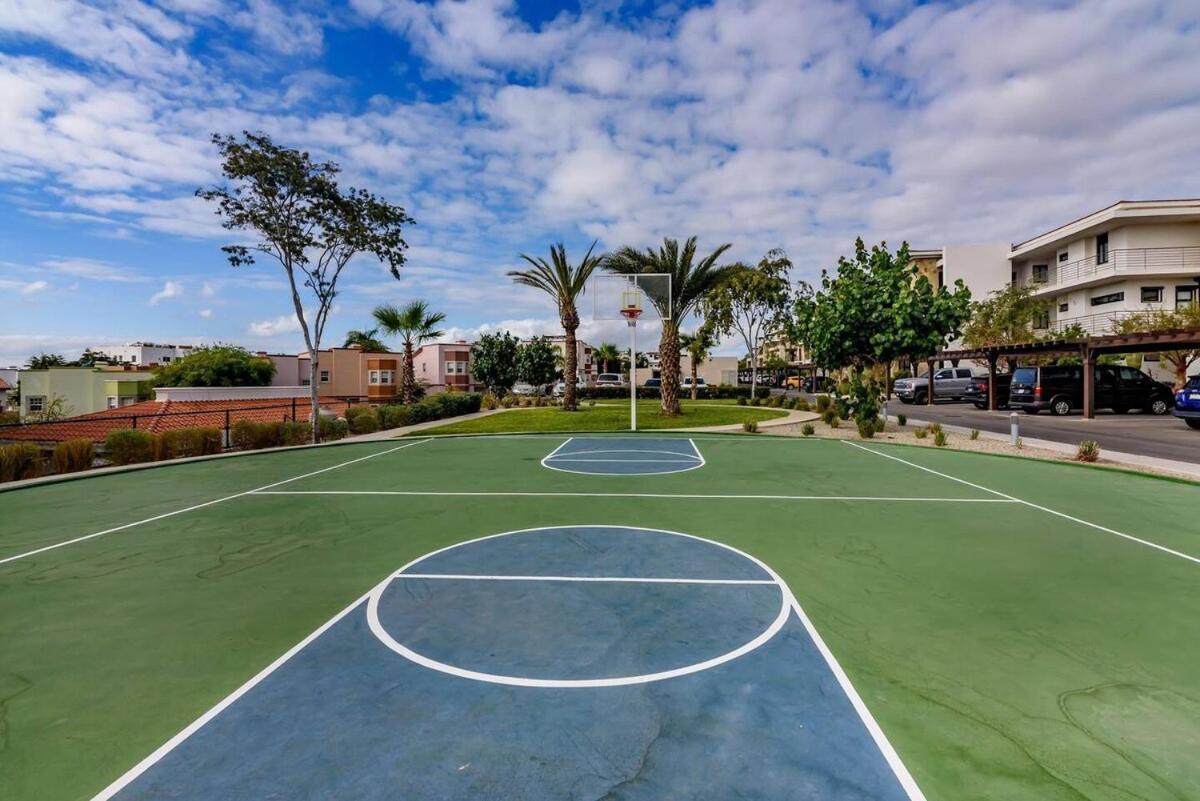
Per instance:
(444,365)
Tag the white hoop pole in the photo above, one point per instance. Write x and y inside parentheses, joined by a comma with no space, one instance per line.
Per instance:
(633,374)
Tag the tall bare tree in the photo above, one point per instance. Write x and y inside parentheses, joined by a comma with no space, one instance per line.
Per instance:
(564,282)
(691,280)
(303,220)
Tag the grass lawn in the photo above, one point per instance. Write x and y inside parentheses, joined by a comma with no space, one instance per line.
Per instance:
(607,416)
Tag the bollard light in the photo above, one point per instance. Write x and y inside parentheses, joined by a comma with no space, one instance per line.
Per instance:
(1013,428)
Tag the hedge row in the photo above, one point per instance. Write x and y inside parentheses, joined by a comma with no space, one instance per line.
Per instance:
(131,446)
(717,391)
(251,436)
(369,419)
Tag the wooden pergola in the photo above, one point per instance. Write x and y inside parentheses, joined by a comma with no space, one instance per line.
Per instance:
(1088,349)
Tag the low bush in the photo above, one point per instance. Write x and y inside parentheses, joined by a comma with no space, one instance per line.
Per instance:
(866,428)
(807,429)
(180,443)
(395,415)
(920,433)
(715,391)
(901,420)
(73,455)
(802,405)
(128,446)
(489,401)
(835,422)
(935,428)
(362,420)
(19,461)
(974,433)
(939,439)
(829,415)
(248,435)
(750,426)
(742,402)
(823,402)
(333,429)
(756,401)
(1089,451)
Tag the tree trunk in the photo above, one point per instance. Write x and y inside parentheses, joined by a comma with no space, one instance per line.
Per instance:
(668,355)
(314,373)
(695,389)
(408,383)
(570,366)
(753,375)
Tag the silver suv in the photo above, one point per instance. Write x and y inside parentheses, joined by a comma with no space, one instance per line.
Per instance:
(949,382)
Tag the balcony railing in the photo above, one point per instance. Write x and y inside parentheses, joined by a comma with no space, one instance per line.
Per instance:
(1132,261)
(1093,324)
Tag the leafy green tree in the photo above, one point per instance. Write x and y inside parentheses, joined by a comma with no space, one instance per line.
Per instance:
(564,282)
(415,324)
(751,302)
(691,281)
(1181,318)
(536,363)
(366,340)
(216,366)
(494,361)
(45,360)
(698,346)
(300,218)
(55,408)
(1006,317)
(607,353)
(875,309)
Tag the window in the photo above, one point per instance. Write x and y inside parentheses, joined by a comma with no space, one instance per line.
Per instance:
(166,359)
(305,382)
(1102,249)
(1111,297)
(1062,257)
(1063,307)
(456,368)
(37,404)
(324,376)
(943,374)
(963,372)
(373,377)
(1042,321)
(1185,296)
(1041,273)
(377,377)
(112,401)
(1152,294)
(1131,376)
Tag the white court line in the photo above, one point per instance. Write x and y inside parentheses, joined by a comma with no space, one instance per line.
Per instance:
(564,444)
(598,579)
(680,458)
(699,455)
(686,496)
(65,543)
(1032,505)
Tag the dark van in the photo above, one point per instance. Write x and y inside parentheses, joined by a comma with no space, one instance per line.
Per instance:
(1059,388)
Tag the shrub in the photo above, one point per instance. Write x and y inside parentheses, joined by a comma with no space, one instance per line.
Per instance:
(248,435)
(1020,443)
(829,415)
(866,428)
(823,402)
(901,420)
(489,401)
(741,401)
(935,428)
(756,401)
(974,433)
(332,428)
(180,443)
(591,403)
(807,429)
(19,461)
(939,439)
(835,422)
(128,446)
(842,409)
(880,425)
(920,433)
(362,419)
(395,415)
(801,404)
(1089,451)
(750,427)
(73,455)
(295,433)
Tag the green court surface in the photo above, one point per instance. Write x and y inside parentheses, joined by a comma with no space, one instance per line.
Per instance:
(1019,629)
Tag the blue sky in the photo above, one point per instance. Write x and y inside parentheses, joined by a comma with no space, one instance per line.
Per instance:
(505,126)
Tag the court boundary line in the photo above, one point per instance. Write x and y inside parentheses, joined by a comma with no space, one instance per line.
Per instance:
(585,579)
(194,507)
(1030,504)
(648,495)
(891,756)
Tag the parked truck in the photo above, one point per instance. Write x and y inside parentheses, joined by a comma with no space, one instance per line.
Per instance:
(949,383)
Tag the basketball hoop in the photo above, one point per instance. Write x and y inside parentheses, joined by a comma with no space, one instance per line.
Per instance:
(631,305)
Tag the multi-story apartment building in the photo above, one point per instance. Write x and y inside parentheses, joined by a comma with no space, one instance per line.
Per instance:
(144,353)
(1130,257)
(587,364)
(444,366)
(83,389)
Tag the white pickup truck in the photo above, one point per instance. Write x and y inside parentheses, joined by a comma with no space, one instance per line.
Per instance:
(948,383)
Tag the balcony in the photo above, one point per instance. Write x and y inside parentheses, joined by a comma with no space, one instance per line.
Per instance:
(1121,263)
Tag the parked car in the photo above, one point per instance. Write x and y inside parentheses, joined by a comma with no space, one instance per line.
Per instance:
(1187,402)
(1059,388)
(820,383)
(653,383)
(521,388)
(610,380)
(792,382)
(948,383)
(560,387)
(686,385)
(977,390)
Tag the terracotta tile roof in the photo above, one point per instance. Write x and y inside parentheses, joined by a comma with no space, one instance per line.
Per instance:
(155,416)
(4,385)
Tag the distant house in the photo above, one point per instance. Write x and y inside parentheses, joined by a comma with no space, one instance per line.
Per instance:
(354,373)
(5,387)
(444,366)
(83,389)
(145,353)
(583,356)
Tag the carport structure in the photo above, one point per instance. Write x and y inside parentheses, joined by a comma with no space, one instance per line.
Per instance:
(1088,349)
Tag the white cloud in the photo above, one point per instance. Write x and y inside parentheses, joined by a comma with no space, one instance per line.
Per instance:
(206,313)
(24,287)
(93,270)
(171,289)
(277,326)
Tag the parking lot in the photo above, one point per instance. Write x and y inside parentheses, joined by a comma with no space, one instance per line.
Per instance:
(1164,436)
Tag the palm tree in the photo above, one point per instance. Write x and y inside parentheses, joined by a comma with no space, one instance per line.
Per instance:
(697,345)
(565,283)
(366,340)
(606,354)
(690,281)
(415,324)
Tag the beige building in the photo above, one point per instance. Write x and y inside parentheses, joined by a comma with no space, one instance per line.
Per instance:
(441,366)
(352,373)
(1131,257)
(583,355)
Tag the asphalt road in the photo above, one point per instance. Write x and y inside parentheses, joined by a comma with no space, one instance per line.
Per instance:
(1165,437)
